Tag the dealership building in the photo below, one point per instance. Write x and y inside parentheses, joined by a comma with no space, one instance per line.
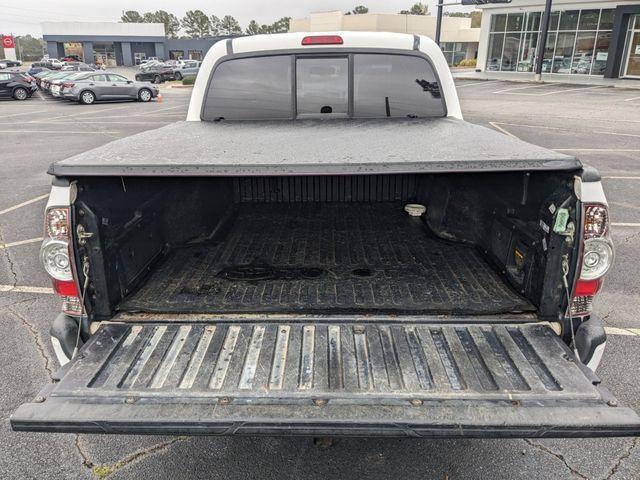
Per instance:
(115,44)
(600,38)
(459,39)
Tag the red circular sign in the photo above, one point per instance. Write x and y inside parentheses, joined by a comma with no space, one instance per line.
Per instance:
(7,41)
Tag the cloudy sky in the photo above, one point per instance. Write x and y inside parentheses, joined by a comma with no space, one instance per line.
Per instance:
(21,18)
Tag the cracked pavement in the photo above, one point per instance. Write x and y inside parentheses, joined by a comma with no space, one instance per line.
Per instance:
(28,360)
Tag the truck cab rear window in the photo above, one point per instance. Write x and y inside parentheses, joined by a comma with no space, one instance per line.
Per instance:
(250,89)
(380,85)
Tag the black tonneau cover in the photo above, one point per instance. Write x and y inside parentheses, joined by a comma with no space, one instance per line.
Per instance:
(354,376)
(313,147)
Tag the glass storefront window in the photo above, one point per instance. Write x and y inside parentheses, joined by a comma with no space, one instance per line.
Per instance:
(533,21)
(528,56)
(589,20)
(548,52)
(496,41)
(577,42)
(569,20)
(498,23)
(564,52)
(510,52)
(601,53)
(583,53)
(632,49)
(606,20)
(515,22)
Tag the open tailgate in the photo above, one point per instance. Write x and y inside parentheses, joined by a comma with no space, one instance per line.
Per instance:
(325,378)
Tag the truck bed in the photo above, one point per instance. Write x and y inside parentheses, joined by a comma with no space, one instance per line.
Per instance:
(326,258)
(313,147)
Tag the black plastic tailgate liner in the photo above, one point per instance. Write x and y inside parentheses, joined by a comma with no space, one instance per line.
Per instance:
(300,378)
(327,258)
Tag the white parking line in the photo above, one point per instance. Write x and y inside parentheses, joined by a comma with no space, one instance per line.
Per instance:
(24,113)
(478,82)
(522,88)
(58,132)
(24,204)
(621,177)
(623,224)
(88,112)
(631,99)
(26,289)
(20,242)
(91,123)
(604,150)
(619,134)
(634,332)
(575,89)
(497,127)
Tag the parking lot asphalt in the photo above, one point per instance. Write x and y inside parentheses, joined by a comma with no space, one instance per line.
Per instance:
(599,125)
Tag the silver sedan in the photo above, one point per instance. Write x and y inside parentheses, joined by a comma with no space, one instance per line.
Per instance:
(96,86)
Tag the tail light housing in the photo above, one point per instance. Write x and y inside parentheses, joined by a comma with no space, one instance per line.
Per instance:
(56,255)
(322,40)
(68,85)
(597,258)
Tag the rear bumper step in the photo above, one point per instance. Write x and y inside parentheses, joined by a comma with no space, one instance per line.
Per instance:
(414,379)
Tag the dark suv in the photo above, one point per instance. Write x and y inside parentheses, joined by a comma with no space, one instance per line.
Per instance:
(16,85)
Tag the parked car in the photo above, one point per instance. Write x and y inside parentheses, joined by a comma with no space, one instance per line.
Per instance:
(188,68)
(56,85)
(54,64)
(4,63)
(71,58)
(155,74)
(37,67)
(16,85)
(46,82)
(149,61)
(302,257)
(76,66)
(42,75)
(97,86)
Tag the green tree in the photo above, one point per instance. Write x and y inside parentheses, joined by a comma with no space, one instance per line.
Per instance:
(280,26)
(229,26)
(196,24)
(131,16)
(29,48)
(171,23)
(253,28)
(418,8)
(359,10)
(216,25)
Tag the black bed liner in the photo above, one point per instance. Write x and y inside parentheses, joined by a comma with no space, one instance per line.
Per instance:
(313,147)
(343,378)
(326,258)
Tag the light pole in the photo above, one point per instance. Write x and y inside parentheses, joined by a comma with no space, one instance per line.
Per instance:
(542,40)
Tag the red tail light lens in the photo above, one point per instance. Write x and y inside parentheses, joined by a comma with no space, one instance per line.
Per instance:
(322,40)
(68,85)
(68,289)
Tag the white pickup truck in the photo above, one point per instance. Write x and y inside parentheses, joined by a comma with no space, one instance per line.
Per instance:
(332,251)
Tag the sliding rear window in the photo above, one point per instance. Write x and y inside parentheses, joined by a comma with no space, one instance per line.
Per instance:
(355,86)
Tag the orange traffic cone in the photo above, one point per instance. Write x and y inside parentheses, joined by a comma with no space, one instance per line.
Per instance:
(160,99)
